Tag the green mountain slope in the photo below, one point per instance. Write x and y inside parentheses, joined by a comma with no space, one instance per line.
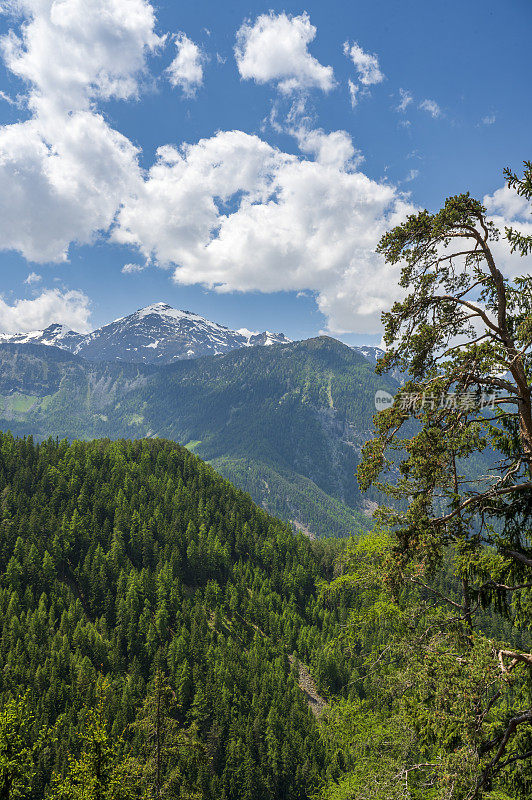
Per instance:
(135,560)
(286,422)
(292,497)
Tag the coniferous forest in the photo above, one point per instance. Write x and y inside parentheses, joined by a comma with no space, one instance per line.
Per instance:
(265,400)
(151,612)
(164,637)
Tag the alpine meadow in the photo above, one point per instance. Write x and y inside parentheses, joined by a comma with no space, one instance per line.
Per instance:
(277,546)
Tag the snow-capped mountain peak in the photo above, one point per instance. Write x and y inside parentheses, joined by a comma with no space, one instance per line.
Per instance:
(155,334)
(160,334)
(166,311)
(56,334)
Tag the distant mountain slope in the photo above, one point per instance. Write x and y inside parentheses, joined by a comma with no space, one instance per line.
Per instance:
(306,407)
(292,497)
(157,334)
(292,416)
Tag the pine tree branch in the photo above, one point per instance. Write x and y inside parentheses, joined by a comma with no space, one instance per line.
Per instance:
(520,719)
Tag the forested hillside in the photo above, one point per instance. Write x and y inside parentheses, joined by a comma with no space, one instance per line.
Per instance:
(148,613)
(157,632)
(286,422)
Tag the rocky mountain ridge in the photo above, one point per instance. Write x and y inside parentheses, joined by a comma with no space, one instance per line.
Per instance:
(159,334)
(156,334)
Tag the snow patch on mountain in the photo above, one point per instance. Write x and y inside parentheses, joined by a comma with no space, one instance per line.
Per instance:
(54,335)
(156,333)
(160,334)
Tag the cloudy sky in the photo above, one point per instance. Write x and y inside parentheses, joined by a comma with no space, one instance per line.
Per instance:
(241,159)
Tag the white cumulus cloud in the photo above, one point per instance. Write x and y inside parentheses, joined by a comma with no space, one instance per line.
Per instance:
(32,278)
(72,51)
(275,48)
(61,183)
(354,92)
(368,71)
(64,171)
(68,308)
(236,214)
(186,70)
(505,202)
(333,149)
(507,209)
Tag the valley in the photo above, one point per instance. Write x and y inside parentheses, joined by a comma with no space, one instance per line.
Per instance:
(284,422)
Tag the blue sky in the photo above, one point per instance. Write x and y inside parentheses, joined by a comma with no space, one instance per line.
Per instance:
(78,201)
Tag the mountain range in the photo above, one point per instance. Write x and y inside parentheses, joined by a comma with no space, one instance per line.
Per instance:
(156,334)
(284,422)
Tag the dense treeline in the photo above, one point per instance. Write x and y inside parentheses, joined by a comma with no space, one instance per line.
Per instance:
(131,571)
(427,693)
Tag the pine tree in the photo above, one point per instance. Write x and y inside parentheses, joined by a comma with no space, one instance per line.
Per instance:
(18,749)
(158,731)
(100,773)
